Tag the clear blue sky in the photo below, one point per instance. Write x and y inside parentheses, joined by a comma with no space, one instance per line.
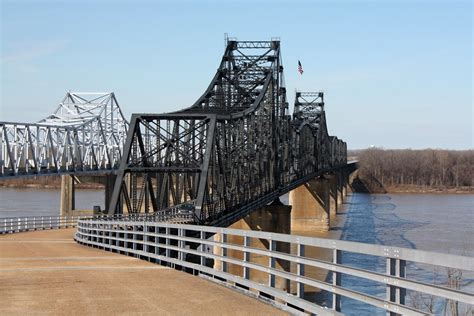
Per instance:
(396,74)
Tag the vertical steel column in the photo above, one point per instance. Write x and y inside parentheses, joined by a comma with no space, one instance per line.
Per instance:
(157,241)
(145,239)
(134,242)
(246,270)
(202,236)
(271,263)
(397,268)
(181,245)
(223,252)
(167,242)
(300,271)
(336,280)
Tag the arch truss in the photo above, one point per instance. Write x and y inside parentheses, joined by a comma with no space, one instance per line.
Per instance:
(235,149)
(85,133)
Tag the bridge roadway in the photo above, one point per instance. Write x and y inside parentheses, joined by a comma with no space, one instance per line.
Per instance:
(47,272)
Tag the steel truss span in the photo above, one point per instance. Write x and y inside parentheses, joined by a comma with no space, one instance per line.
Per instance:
(235,149)
(85,133)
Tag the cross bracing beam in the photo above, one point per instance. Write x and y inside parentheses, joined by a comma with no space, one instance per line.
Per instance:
(85,133)
(235,147)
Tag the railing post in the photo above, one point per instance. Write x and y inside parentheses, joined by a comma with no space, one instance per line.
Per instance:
(202,236)
(397,268)
(401,270)
(34,223)
(271,263)
(134,243)
(145,239)
(300,271)
(156,241)
(336,280)
(390,288)
(180,244)
(223,252)
(246,270)
(167,242)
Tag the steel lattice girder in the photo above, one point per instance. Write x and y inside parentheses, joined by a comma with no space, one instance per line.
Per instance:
(85,134)
(235,149)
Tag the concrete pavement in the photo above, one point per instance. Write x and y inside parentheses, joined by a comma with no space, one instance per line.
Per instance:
(47,272)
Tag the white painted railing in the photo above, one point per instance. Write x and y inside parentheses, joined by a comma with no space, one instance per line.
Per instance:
(23,224)
(187,247)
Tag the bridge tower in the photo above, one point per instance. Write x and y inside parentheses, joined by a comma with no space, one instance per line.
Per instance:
(315,203)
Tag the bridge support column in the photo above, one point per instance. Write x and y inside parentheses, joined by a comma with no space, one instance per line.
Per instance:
(310,204)
(340,188)
(67,195)
(345,182)
(109,183)
(333,195)
(275,218)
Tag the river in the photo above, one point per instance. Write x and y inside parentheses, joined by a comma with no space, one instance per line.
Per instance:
(433,222)
(439,222)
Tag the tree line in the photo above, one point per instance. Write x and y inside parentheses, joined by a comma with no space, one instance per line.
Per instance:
(427,167)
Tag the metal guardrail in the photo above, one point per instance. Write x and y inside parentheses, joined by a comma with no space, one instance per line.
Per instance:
(23,224)
(186,246)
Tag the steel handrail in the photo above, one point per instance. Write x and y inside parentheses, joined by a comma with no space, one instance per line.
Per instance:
(138,237)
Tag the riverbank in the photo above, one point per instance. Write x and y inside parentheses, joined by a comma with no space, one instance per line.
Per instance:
(419,189)
(44,182)
(362,184)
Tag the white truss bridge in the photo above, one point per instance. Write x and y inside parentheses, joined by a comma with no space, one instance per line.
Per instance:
(85,134)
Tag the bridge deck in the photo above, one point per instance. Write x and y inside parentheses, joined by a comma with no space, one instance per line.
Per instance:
(47,272)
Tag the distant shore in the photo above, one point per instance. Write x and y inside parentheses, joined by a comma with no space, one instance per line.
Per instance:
(415,189)
(429,190)
(363,184)
(50,183)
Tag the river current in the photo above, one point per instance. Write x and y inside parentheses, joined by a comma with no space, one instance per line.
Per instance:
(439,222)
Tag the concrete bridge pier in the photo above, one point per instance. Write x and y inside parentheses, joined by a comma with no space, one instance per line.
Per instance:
(333,195)
(340,186)
(311,206)
(68,193)
(275,218)
(344,183)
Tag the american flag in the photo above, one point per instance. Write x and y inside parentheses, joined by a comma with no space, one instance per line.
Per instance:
(300,68)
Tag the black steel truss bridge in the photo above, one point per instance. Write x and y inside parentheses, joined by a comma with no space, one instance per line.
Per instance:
(234,150)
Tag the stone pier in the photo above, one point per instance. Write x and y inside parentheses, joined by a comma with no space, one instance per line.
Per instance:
(311,206)
(333,195)
(67,195)
(68,191)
